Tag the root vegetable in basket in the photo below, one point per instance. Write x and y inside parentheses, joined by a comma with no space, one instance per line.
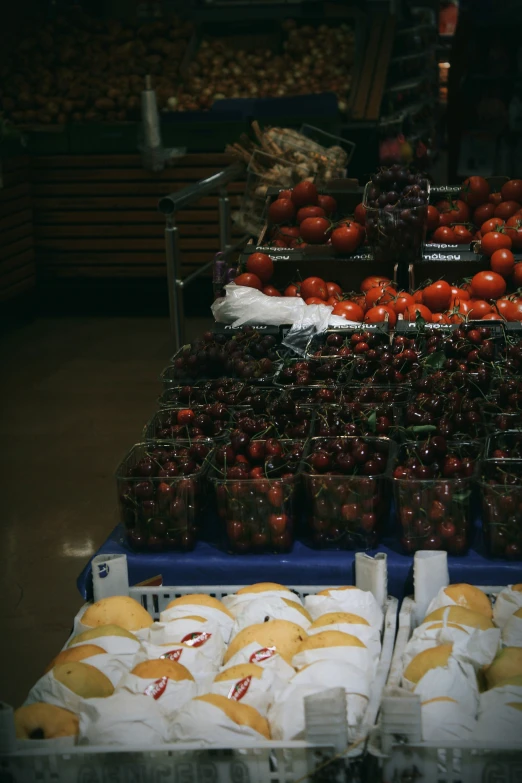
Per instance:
(44,721)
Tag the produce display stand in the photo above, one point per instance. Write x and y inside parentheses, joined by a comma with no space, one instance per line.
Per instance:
(17,266)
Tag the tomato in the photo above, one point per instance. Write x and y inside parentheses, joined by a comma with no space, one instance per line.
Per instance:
(440,318)
(475,191)
(314,286)
(506,308)
(483,213)
(403,301)
(418,297)
(459,310)
(432,218)
(332,289)
(269,290)
(512,190)
(380,313)
(359,299)
(417,311)
(517,310)
(377,295)
(373,280)
(493,317)
(479,308)
(502,262)
(315,230)
(444,234)
(309,212)
(452,212)
(304,194)
(281,210)
(261,265)
(488,285)
(314,300)
(359,214)
(437,295)
(349,310)
(460,293)
(517,275)
(278,243)
(514,231)
(506,209)
(249,280)
(292,290)
(328,203)
(491,225)
(463,234)
(494,241)
(495,198)
(285,193)
(346,239)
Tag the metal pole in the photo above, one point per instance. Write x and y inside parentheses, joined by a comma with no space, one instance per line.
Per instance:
(224,219)
(175,284)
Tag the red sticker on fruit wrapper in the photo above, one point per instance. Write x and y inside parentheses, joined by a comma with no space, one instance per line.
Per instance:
(157,688)
(262,655)
(172,655)
(239,688)
(196,639)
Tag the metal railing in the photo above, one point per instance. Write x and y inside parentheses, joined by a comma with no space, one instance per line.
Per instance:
(169,206)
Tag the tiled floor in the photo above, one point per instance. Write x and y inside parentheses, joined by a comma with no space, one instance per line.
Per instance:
(74,395)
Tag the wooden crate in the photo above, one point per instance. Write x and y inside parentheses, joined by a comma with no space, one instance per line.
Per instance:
(17,266)
(96,215)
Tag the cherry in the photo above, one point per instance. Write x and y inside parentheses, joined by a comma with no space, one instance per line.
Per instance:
(144,490)
(320,461)
(451,466)
(446,529)
(275,496)
(514,551)
(185,417)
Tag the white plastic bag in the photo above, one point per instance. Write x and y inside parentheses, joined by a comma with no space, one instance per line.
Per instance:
(243,305)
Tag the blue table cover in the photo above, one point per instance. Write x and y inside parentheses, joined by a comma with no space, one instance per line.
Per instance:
(208,565)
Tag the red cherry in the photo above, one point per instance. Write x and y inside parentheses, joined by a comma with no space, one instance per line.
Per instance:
(446,529)
(278,523)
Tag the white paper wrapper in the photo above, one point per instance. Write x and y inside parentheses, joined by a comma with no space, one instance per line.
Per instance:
(48,689)
(456,680)
(257,693)
(356,656)
(122,719)
(356,601)
(497,721)
(237,603)
(508,601)
(199,720)
(430,575)
(169,694)
(371,637)
(471,644)
(205,637)
(202,669)
(446,721)
(214,616)
(264,657)
(287,714)
(113,667)
(79,627)
(264,609)
(512,632)
(119,646)
(440,600)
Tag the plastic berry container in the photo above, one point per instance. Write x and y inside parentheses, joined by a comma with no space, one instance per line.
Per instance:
(297,425)
(329,371)
(395,232)
(199,421)
(501,496)
(504,446)
(353,418)
(432,484)
(226,390)
(311,396)
(377,394)
(161,492)
(347,500)
(259,514)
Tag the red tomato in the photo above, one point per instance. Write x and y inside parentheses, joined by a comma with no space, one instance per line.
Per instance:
(403,301)
(512,190)
(359,299)
(483,213)
(495,198)
(502,262)
(332,289)
(315,230)
(373,280)
(328,203)
(278,243)
(382,296)
(309,212)
(380,313)
(517,310)
(418,297)
(304,194)
(506,209)
(459,310)
(440,318)
(444,234)
(491,225)
(475,191)
(418,311)
(261,265)
(463,234)
(349,310)
(359,214)
(249,280)
(432,218)
(460,293)
(314,300)
(292,290)
(314,286)
(506,308)
(494,241)
(517,275)
(346,239)
(452,212)
(488,285)
(514,231)
(269,290)
(437,296)
(493,317)
(479,308)
(285,193)
(281,210)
